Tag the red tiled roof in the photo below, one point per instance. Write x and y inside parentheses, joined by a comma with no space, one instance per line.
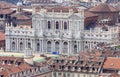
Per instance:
(111,63)
(2,36)
(62,9)
(4,4)
(20,16)
(13,68)
(28,22)
(6,11)
(108,75)
(89,14)
(103,8)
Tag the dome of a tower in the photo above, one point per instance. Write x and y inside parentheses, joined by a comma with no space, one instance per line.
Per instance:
(19,3)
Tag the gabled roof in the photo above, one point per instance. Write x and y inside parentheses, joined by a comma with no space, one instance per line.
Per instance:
(89,14)
(4,4)
(20,16)
(6,11)
(103,8)
(112,63)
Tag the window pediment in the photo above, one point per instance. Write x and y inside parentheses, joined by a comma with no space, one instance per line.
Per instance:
(74,17)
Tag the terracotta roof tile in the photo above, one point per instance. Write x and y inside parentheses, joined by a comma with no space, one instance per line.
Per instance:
(13,68)
(4,4)
(6,11)
(103,8)
(62,9)
(28,22)
(112,63)
(20,16)
(89,14)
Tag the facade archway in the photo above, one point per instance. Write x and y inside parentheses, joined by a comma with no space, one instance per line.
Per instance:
(13,45)
(49,46)
(57,46)
(65,47)
(38,47)
(75,49)
(21,46)
(29,45)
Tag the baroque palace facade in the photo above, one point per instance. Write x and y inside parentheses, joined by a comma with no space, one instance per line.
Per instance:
(53,29)
(61,29)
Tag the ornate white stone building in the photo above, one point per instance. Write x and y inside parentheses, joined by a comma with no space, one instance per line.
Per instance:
(58,29)
(53,29)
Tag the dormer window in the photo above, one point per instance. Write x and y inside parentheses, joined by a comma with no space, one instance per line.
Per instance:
(62,61)
(57,61)
(79,69)
(93,69)
(3,61)
(60,67)
(73,68)
(78,62)
(1,75)
(68,67)
(18,63)
(10,62)
(71,61)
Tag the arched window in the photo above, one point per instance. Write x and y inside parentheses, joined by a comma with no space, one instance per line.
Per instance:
(65,25)
(13,45)
(29,45)
(21,46)
(65,47)
(57,25)
(48,46)
(75,48)
(57,46)
(1,16)
(38,46)
(49,25)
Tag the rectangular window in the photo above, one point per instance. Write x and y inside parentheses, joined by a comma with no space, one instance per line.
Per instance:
(59,74)
(54,74)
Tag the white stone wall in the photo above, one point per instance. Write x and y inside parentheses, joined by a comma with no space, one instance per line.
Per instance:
(18,35)
(65,41)
(71,35)
(96,36)
(39,35)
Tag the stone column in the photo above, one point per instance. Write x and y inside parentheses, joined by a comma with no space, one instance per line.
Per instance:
(68,48)
(77,46)
(42,46)
(33,44)
(40,42)
(17,45)
(61,46)
(7,43)
(52,45)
